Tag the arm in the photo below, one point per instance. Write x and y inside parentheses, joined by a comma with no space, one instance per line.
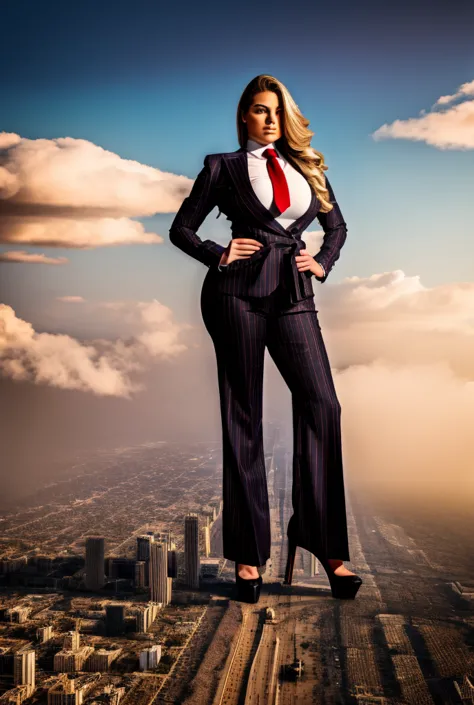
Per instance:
(192,213)
(335,233)
(324,271)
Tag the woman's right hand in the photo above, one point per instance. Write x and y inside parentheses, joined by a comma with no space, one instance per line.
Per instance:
(240,248)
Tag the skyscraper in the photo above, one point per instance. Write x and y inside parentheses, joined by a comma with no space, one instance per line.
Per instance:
(95,562)
(143,547)
(158,573)
(191,550)
(114,619)
(24,667)
(207,539)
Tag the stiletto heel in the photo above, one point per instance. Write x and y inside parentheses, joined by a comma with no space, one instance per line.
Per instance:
(248,589)
(290,563)
(342,586)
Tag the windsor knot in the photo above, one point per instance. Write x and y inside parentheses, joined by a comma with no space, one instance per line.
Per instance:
(270,153)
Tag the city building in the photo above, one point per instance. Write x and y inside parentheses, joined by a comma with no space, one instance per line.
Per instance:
(95,562)
(191,550)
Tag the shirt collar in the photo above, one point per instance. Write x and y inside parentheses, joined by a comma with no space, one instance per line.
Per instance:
(257,149)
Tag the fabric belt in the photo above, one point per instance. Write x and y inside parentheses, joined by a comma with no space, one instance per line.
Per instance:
(291,275)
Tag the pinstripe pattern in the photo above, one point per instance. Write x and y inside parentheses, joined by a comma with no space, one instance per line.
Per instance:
(241,328)
(224,182)
(192,213)
(257,303)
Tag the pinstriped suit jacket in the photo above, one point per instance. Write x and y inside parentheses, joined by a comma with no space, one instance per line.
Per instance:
(224,182)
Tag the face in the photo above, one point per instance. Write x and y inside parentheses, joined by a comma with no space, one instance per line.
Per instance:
(264,118)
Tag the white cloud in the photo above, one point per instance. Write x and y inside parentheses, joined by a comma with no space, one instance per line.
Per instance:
(74,233)
(401,355)
(402,358)
(100,366)
(447,126)
(71,299)
(313,240)
(68,192)
(407,429)
(30,257)
(466,89)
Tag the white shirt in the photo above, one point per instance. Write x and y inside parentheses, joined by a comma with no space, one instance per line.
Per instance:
(300,190)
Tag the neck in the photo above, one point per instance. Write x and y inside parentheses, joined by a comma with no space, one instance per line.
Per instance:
(263,144)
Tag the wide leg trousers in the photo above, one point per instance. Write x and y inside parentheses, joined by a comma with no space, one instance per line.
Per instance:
(241,327)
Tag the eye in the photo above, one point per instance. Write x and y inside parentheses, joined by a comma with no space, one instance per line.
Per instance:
(259,110)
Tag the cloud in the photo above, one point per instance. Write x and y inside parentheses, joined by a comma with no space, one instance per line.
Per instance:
(401,355)
(386,316)
(71,299)
(394,317)
(69,192)
(103,367)
(74,233)
(446,126)
(313,240)
(407,429)
(466,89)
(30,257)
(402,359)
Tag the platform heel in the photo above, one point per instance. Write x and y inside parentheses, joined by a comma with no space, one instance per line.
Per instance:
(247,589)
(343,587)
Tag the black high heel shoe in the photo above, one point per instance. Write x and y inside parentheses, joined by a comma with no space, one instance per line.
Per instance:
(248,589)
(342,586)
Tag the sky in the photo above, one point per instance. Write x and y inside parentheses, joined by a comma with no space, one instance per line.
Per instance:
(107,111)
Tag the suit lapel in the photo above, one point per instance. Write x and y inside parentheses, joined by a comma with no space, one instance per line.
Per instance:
(237,166)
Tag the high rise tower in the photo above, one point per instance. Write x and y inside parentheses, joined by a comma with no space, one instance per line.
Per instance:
(191,550)
(158,573)
(95,561)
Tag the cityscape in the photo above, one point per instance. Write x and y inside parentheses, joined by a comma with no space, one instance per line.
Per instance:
(114,590)
(124,360)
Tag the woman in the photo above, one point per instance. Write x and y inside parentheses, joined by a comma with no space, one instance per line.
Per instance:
(258,294)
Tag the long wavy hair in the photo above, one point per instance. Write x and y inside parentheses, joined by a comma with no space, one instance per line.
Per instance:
(295,141)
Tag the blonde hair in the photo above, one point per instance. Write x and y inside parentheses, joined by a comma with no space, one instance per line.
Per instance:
(294,143)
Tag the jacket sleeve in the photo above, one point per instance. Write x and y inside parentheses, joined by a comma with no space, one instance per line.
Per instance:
(192,213)
(335,234)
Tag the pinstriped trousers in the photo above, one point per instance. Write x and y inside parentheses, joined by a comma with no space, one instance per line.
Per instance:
(241,327)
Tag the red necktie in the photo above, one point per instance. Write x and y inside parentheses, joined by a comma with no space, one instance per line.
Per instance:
(281,194)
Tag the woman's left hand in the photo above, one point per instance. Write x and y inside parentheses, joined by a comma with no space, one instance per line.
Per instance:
(305,261)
